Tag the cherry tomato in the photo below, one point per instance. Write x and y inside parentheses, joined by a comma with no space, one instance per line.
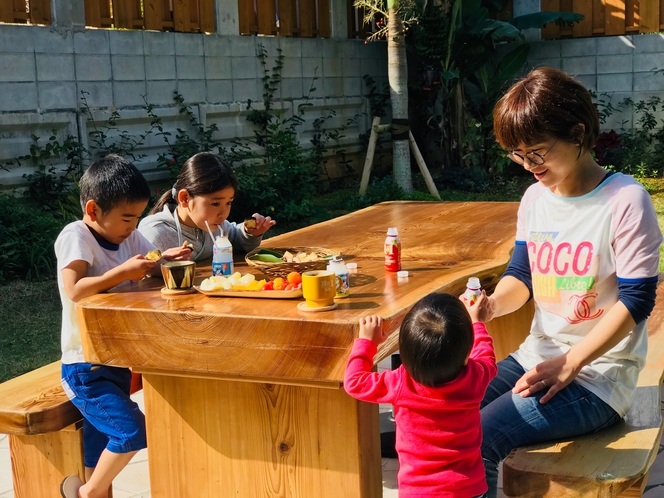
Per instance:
(294,278)
(279,283)
(269,285)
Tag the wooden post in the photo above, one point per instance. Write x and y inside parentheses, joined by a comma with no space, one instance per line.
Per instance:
(423,167)
(368,162)
(42,461)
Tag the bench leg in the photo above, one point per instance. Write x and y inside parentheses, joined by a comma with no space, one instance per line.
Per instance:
(636,491)
(41,462)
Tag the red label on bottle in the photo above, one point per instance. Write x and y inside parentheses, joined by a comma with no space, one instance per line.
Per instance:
(392,254)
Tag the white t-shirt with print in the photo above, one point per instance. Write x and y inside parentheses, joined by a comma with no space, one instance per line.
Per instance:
(76,242)
(578,248)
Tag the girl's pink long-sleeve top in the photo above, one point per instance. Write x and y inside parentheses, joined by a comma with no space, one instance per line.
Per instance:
(438,433)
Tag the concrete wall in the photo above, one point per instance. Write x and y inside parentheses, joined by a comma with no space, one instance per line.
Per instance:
(43,71)
(620,66)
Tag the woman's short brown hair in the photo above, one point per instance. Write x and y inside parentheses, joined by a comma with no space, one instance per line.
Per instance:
(546,104)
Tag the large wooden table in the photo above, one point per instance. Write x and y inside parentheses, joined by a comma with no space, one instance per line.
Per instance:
(243,397)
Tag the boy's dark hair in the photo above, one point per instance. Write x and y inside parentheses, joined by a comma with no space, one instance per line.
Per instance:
(203,173)
(547,103)
(435,339)
(111,181)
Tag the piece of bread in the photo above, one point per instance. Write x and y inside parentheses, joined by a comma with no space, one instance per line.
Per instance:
(153,255)
(250,223)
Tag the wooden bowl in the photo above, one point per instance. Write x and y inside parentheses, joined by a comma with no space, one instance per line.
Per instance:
(283,269)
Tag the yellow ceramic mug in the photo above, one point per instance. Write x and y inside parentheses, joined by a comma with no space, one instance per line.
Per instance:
(319,288)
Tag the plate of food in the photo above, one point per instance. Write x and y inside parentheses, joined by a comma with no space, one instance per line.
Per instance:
(238,285)
(259,294)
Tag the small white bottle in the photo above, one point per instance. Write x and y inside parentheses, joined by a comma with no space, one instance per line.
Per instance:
(338,266)
(222,257)
(392,250)
(473,290)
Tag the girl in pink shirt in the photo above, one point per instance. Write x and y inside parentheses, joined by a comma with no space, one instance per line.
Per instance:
(447,363)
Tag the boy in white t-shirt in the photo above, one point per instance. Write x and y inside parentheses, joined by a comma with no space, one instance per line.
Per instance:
(99,253)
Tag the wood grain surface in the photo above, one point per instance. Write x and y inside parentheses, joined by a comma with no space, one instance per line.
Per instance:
(35,403)
(243,396)
(40,463)
(442,245)
(609,463)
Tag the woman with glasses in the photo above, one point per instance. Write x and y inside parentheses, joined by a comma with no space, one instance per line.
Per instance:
(587,252)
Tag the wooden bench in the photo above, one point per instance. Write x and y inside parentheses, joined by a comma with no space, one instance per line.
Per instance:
(45,432)
(610,463)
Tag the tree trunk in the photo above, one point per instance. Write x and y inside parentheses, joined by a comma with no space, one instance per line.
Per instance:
(397,72)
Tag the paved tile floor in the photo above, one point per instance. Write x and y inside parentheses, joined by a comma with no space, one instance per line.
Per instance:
(133,481)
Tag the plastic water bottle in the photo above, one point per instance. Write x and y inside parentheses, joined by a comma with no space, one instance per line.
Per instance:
(392,250)
(338,266)
(222,257)
(473,290)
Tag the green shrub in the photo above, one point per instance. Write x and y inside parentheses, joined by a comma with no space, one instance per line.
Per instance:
(27,235)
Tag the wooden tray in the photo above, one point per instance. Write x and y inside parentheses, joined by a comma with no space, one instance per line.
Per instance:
(263,294)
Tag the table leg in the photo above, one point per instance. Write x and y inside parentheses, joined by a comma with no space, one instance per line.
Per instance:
(212,438)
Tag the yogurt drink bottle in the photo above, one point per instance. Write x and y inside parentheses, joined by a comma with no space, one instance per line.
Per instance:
(392,250)
(222,257)
(473,290)
(338,267)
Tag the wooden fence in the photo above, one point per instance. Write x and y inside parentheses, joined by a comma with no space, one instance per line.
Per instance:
(25,11)
(606,17)
(303,18)
(160,15)
(357,28)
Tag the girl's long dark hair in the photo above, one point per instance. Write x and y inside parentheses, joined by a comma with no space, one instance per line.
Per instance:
(203,173)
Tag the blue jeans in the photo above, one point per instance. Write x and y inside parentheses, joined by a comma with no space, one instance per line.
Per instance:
(111,419)
(510,421)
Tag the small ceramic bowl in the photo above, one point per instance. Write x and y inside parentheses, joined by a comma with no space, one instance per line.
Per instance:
(179,275)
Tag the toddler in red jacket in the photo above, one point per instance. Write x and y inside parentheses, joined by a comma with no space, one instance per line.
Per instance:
(447,363)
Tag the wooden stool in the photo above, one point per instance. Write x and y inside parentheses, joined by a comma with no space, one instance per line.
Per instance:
(45,432)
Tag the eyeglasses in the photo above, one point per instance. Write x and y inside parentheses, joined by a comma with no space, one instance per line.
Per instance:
(533,157)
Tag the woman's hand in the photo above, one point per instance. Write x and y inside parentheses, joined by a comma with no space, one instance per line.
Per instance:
(554,375)
(263,224)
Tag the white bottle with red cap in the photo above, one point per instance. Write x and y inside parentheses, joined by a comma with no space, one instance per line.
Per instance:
(473,290)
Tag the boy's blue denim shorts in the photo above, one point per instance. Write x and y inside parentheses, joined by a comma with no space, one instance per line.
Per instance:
(111,420)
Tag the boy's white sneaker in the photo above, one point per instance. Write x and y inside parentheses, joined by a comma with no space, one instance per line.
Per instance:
(70,486)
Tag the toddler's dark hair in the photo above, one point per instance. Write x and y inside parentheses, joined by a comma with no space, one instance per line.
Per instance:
(547,103)
(435,339)
(203,173)
(111,181)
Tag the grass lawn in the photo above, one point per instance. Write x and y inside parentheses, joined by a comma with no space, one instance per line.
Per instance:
(29,326)
(30,311)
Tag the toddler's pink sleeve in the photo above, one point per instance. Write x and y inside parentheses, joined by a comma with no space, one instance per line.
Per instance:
(363,384)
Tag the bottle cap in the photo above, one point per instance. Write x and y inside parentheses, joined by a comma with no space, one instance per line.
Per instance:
(402,274)
(336,259)
(392,231)
(474,283)
(351,266)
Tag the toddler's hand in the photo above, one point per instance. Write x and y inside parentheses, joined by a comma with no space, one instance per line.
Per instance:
(181,253)
(136,268)
(481,310)
(371,327)
(263,224)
